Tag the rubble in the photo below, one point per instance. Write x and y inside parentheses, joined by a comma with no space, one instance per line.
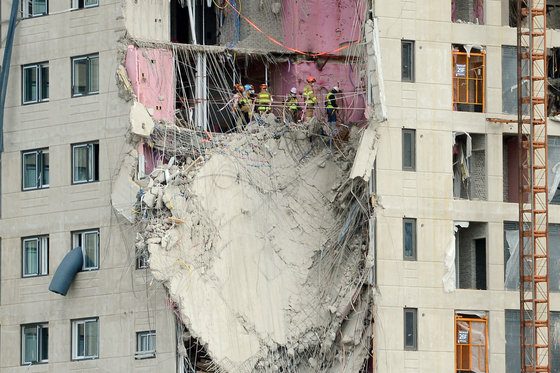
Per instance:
(260,238)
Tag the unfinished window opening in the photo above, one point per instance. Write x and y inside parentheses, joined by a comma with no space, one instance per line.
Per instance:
(205,26)
(195,358)
(511,169)
(554,170)
(469,166)
(513,347)
(471,341)
(470,258)
(467,11)
(509,80)
(142,257)
(553,60)
(552,14)
(468,78)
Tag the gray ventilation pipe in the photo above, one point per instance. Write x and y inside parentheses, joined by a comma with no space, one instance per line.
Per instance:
(66,271)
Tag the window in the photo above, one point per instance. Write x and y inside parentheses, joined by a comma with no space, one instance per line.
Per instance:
(408,149)
(407,58)
(34,344)
(470,258)
(85,339)
(471,342)
(35,83)
(34,8)
(469,11)
(142,260)
(89,242)
(469,166)
(85,160)
(410,329)
(85,75)
(35,169)
(409,239)
(35,256)
(80,4)
(468,79)
(145,344)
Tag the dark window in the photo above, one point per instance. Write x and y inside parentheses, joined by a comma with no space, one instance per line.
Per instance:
(471,256)
(408,149)
(407,60)
(410,329)
(85,75)
(35,169)
(409,239)
(34,344)
(85,163)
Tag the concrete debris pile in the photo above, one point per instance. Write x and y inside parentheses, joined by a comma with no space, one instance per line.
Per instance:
(260,238)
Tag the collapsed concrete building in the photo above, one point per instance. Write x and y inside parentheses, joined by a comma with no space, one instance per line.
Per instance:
(390,245)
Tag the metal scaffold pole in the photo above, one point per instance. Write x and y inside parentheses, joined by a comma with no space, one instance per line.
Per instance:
(533,185)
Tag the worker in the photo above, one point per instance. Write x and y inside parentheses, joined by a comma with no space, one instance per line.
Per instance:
(263,100)
(247,104)
(309,98)
(332,106)
(238,102)
(291,105)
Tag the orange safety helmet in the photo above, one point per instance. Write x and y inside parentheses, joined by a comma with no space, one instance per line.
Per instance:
(311,79)
(238,87)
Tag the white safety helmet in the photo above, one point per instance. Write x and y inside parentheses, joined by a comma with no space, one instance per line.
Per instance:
(293,90)
(335,88)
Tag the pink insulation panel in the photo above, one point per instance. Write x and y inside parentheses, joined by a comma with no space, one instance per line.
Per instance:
(333,73)
(151,74)
(321,26)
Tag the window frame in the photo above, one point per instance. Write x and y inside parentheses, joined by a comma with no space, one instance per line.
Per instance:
(88,58)
(412,132)
(412,257)
(78,239)
(75,324)
(142,260)
(141,353)
(461,317)
(92,162)
(39,78)
(410,45)
(414,312)
(42,256)
(25,11)
(39,350)
(39,169)
(75,4)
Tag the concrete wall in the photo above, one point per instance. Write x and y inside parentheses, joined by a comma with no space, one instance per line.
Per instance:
(426,194)
(118,294)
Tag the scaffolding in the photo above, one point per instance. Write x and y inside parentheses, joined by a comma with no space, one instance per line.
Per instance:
(533,186)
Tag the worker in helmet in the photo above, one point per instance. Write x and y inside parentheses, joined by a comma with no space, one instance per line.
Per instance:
(332,106)
(291,105)
(238,102)
(264,100)
(309,97)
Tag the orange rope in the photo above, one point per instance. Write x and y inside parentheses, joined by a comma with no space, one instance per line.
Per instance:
(285,46)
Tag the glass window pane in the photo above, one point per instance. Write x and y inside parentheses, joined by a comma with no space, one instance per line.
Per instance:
(94,74)
(408,241)
(30,344)
(44,255)
(80,340)
(91,250)
(44,82)
(44,343)
(80,159)
(409,329)
(39,7)
(407,150)
(79,80)
(91,2)
(91,338)
(45,169)
(151,342)
(30,170)
(30,84)
(30,257)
